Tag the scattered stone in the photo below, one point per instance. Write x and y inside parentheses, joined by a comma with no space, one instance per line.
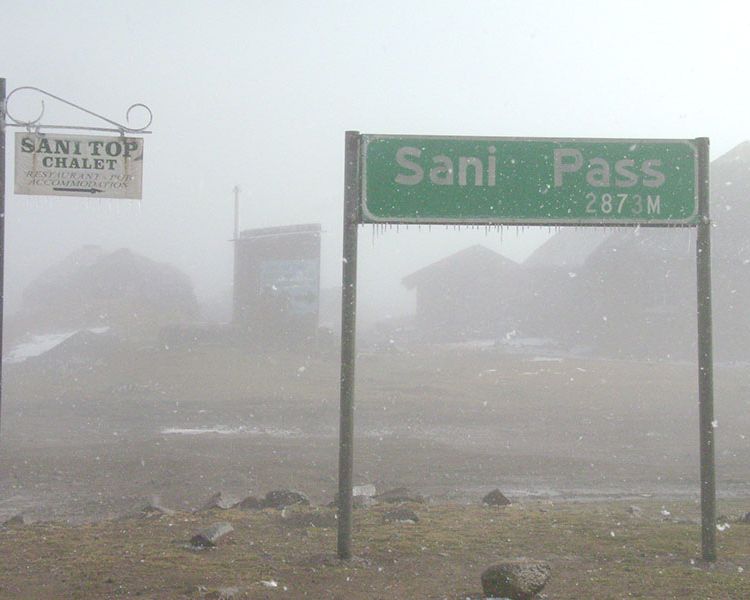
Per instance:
(367,490)
(745,518)
(635,511)
(283,498)
(363,501)
(154,508)
(250,503)
(220,500)
(401,515)
(358,501)
(401,494)
(210,536)
(15,520)
(517,579)
(495,498)
(225,593)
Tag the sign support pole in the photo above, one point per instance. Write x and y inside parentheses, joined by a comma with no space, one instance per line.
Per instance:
(348,338)
(2,224)
(705,360)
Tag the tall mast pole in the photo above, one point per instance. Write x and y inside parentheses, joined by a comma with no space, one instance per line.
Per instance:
(236,191)
(236,242)
(2,223)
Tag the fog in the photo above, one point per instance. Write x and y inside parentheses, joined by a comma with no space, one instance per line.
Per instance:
(259,96)
(150,357)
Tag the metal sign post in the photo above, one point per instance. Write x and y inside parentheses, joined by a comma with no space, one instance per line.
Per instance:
(348,339)
(2,227)
(705,359)
(527,181)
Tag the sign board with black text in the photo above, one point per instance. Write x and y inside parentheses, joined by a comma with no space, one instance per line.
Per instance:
(78,165)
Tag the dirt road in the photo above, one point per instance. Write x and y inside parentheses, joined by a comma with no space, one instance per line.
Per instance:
(89,441)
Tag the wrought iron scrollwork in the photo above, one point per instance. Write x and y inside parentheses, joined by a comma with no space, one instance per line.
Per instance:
(36,124)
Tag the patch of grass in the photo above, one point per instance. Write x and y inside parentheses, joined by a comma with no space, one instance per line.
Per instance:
(596,550)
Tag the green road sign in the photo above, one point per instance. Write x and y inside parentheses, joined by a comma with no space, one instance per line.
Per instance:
(413,179)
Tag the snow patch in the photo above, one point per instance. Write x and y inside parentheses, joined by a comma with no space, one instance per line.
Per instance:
(224,430)
(39,344)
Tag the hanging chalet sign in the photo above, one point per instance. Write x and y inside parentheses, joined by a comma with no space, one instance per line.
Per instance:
(78,165)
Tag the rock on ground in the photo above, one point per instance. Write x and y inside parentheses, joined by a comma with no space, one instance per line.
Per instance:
(401,515)
(401,494)
(220,500)
(495,498)
(517,579)
(250,503)
(155,508)
(284,498)
(210,536)
(225,593)
(19,519)
(635,511)
(367,490)
(363,501)
(358,501)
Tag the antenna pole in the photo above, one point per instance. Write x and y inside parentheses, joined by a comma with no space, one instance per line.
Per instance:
(236,191)
(2,221)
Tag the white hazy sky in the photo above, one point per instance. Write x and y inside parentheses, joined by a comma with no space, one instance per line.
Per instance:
(259,94)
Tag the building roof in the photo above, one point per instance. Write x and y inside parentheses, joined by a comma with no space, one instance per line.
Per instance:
(475,257)
(570,247)
(280,230)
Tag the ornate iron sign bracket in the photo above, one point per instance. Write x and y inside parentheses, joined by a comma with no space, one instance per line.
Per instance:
(36,124)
